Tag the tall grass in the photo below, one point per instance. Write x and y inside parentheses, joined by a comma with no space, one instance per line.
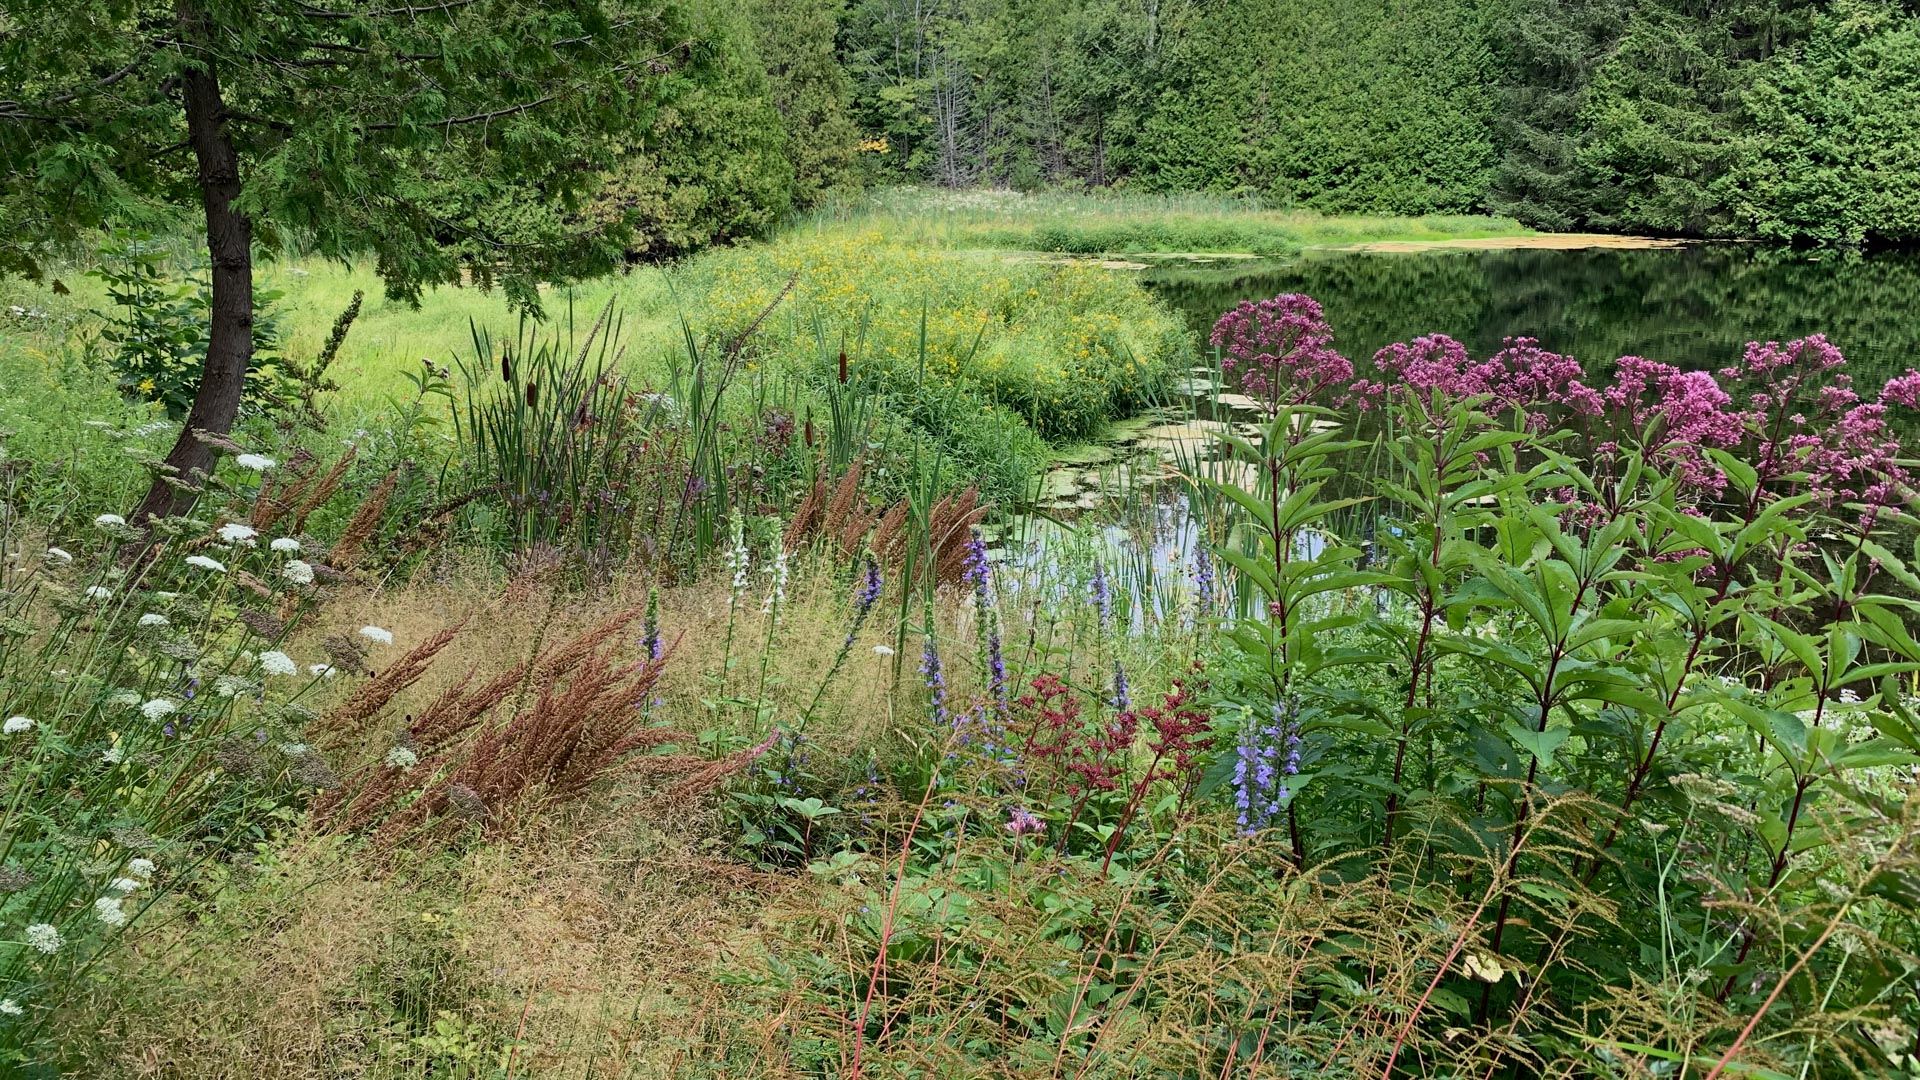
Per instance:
(1124,224)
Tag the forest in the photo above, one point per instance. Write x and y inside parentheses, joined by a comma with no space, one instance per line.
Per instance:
(1762,119)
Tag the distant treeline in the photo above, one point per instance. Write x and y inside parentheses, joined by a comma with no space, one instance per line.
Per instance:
(1778,119)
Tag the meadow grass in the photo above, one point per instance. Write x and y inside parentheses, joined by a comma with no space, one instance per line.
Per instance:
(850,255)
(1110,223)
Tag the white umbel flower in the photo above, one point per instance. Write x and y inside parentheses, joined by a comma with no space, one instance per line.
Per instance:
(140,867)
(18,725)
(285,543)
(253,462)
(882,650)
(235,533)
(125,885)
(155,619)
(297,571)
(10,1007)
(44,937)
(322,671)
(402,758)
(113,755)
(377,635)
(99,593)
(158,708)
(61,554)
(108,521)
(205,563)
(275,662)
(108,910)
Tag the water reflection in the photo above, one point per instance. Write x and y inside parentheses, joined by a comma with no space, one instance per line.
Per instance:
(1694,306)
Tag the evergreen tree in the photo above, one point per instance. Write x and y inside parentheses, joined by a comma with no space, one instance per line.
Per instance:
(810,88)
(1549,50)
(438,137)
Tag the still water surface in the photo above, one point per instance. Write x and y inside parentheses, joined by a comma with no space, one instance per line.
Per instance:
(1694,306)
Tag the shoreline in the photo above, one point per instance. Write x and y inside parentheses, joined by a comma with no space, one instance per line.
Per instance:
(1540,242)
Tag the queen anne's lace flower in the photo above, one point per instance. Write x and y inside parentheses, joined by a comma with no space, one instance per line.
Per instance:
(285,543)
(235,533)
(18,725)
(107,521)
(275,662)
(113,755)
(402,758)
(377,635)
(298,572)
(60,553)
(322,671)
(140,867)
(205,563)
(155,619)
(108,910)
(44,937)
(125,885)
(253,462)
(157,709)
(99,592)
(10,1007)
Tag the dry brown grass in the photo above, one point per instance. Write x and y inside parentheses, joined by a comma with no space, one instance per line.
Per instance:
(838,516)
(591,942)
(534,701)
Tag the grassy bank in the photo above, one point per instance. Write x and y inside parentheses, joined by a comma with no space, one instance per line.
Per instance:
(1123,224)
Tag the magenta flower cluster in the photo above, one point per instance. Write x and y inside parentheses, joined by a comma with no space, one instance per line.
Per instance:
(1520,378)
(1281,349)
(1787,409)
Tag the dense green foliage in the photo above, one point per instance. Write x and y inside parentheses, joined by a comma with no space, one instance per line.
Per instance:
(1780,119)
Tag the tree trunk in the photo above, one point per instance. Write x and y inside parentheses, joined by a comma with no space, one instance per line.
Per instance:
(230,332)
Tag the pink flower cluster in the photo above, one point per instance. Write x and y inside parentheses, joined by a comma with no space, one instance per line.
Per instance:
(1802,427)
(1522,377)
(1679,413)
(1281,348)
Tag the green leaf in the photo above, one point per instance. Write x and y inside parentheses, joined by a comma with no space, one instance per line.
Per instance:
(1541,744)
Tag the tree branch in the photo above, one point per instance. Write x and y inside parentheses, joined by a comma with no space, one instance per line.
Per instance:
(494,114)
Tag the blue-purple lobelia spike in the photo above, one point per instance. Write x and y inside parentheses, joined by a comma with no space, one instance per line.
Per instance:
(1102,595)
(980,574)
(864,600)
(1122,697)
(977,570)
(936,681)
(1269,757)
(1203,583)
(650,634)
(870,587)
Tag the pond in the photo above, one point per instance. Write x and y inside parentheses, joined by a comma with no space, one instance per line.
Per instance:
(1694,306)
